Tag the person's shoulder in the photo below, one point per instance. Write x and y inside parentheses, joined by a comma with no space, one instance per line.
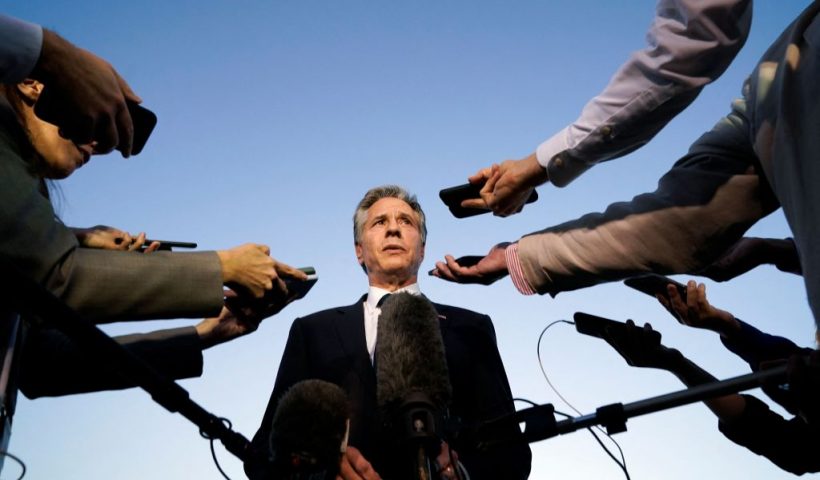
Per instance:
(461,314)
(328,315)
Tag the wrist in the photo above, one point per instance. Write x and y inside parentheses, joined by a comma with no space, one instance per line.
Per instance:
(729,326)
(54,47)
(226,265)
(536,173)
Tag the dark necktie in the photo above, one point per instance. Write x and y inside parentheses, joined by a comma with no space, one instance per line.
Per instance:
(376,347)
(382,300)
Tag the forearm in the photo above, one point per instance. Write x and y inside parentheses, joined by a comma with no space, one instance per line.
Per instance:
(689,44)
(52,365)
(726,407)
(696,213)
(107,286)
(790,444)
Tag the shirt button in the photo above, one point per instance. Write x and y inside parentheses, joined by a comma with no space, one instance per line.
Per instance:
(557,161)
(606,131)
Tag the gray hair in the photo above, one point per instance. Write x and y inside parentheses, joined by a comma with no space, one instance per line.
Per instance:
(386,191)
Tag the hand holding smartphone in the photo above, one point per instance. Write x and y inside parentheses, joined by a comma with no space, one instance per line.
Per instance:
(144,121)
(654,284)
(453,196)
(256,309)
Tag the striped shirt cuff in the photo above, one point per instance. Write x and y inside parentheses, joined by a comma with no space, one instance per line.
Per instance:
(516,272)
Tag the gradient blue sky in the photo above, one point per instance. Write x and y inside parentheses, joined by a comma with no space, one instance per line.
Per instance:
(274,119)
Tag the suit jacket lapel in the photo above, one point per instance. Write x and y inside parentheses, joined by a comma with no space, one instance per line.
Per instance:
(350,331)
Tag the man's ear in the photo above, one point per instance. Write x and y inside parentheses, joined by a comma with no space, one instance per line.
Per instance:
(359,252)
(30,89)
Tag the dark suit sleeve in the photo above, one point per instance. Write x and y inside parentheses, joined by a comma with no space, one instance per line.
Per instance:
(52,365)
(482,392)
(790,444)
(293,368)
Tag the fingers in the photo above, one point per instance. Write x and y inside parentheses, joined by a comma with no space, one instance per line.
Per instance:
(137,243)
(475,203)
(125,130)
(702,302)
(152,248)
(481,176)
(104,128)
(355,467)
(488,193)
(288,271)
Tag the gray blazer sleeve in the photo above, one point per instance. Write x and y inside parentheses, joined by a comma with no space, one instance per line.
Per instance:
(101,285)
(52,365)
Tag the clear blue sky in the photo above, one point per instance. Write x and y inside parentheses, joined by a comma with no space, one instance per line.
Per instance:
(274,119)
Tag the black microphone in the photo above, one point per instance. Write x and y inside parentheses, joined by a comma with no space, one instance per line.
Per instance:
(309,431)
(412,382)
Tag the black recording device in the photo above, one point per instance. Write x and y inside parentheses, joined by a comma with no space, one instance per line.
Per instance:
(653,284)
(600,327)
(144,121)
(274,300)
(595,326)
(413,388)
(465,261)
(169,244)
(309,431)
(453,196)
(299,288)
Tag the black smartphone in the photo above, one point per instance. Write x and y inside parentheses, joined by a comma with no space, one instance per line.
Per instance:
(654,284)
(599,327)
(593,325)
(465,261)
(299,288)
(453,196)
(169,244)
(144,121)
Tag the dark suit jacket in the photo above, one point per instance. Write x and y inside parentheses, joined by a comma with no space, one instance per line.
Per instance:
(330,345)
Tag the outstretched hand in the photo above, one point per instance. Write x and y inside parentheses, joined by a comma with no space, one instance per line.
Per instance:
(507,186)
(84,96)
(227,326)
(110,238)
(641,347)
(696,311)
(751,252)
(481,270)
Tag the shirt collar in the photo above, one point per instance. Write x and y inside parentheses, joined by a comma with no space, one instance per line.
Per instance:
(375,293)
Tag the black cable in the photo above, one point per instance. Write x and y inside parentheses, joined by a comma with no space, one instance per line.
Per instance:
(205,435)
(19,462)
(622,462)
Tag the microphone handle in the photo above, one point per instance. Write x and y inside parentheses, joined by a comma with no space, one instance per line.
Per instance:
(423,465)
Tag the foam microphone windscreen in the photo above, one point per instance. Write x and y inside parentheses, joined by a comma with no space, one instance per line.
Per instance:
(410,352)
(309,428)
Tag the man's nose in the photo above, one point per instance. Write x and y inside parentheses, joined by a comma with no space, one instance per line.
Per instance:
(393,228)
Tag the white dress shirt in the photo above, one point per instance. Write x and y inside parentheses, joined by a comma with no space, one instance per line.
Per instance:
(690,43)
(372,312)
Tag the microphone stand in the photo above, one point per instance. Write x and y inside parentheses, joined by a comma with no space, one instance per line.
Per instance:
(540,424)
(417,425)
(27,296)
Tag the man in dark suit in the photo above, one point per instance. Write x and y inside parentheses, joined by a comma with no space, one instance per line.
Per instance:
(337,345)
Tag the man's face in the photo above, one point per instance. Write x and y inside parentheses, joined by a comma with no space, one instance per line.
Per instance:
(391,247)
